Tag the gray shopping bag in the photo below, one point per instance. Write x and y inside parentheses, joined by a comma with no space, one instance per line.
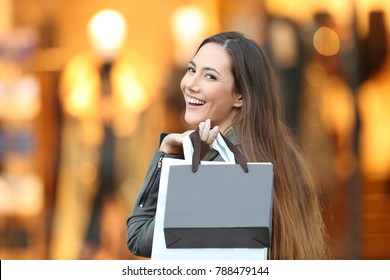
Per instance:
(219,206)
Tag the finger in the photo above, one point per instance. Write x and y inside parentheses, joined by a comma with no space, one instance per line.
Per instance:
(201,128)
(212,135)
(206,130)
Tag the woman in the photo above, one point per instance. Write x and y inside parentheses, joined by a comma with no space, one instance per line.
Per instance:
(230,85)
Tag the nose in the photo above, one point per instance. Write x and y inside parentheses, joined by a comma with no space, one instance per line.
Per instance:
(192,82)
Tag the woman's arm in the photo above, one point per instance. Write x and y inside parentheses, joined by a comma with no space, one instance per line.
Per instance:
(140,224)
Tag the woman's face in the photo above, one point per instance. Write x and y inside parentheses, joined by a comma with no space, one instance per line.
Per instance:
(208,88)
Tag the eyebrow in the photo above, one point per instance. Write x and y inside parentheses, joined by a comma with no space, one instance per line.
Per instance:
(205,68)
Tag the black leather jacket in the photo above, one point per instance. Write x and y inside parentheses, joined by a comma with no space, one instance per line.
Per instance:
(140,224)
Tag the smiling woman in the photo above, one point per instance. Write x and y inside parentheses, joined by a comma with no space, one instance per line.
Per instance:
(229,87)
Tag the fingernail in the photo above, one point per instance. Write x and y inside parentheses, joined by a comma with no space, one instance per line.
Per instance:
(208,121)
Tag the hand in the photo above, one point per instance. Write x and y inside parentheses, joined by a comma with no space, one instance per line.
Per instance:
(208,135)
(172,143)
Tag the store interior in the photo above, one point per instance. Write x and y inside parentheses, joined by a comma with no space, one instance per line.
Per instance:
(87,87)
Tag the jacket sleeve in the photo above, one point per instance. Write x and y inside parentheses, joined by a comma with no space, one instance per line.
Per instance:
(140,224)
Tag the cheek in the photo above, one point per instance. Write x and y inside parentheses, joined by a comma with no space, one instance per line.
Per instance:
(182,83)
(219,94)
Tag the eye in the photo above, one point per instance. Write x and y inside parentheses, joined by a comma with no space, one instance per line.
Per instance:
(190,69)
(210,77)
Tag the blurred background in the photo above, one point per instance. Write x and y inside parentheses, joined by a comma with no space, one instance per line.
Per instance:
(86,88)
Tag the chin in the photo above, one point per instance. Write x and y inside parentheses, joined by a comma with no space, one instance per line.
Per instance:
(192,121)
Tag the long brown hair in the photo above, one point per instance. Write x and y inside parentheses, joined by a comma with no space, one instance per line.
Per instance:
(298,228)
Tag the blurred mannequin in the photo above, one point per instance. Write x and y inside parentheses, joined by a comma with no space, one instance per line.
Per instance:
(375,46)
(104,100)
(329,115)
(327,127)
(374,105)
(374,143)
(285,50)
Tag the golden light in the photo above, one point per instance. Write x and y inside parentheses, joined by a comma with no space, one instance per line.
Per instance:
(188,22)
(188,27)
(79,87)
(107,32)
(133,98)
(326,41)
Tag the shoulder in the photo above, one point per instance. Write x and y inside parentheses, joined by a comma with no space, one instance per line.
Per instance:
(232,137)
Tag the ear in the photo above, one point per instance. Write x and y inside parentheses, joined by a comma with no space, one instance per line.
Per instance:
(238,102)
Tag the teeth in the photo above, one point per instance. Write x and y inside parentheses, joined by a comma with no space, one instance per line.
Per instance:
(195,101)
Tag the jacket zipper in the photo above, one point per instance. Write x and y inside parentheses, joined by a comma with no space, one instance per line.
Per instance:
(152,180)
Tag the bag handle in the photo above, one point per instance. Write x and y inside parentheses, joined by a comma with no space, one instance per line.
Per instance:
(197,144)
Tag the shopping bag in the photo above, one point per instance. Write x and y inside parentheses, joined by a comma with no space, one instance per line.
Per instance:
(195,220)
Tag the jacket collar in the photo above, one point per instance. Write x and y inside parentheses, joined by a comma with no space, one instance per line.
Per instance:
(232,137)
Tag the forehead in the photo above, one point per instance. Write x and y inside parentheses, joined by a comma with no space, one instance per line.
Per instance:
(213,55)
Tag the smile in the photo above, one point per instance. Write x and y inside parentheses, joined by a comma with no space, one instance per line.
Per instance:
(195,101)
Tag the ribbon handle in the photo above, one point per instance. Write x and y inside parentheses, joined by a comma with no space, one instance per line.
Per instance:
(192,146)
